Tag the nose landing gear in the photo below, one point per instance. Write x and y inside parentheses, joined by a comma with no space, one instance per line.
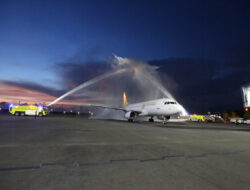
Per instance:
(165,119)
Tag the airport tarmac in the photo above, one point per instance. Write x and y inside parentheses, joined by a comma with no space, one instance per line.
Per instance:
(80,153)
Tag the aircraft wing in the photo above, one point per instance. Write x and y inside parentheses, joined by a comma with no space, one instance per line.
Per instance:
(107,107)
(114,108)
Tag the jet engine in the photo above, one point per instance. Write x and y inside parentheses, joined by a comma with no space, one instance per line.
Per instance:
(129,114)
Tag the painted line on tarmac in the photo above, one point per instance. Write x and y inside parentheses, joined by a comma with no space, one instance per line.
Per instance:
(124,160)
(58,164)
(174,156)
(20,168)
(109,162)
(152,159)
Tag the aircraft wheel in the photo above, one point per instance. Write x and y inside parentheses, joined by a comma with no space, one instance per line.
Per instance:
(40,114)
(17,113)
(22,114)
(151,120)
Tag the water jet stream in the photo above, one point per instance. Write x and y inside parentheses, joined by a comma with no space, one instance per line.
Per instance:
(88,83)
(142,72)
(160,87)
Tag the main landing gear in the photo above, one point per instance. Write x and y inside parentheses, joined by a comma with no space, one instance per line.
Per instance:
(130,120)
(151,119)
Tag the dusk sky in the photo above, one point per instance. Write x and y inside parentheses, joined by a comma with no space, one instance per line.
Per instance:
(204,46)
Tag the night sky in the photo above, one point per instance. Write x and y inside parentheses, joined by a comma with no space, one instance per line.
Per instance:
(203,46)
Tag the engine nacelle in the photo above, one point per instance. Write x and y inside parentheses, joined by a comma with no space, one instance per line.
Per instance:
(129,114)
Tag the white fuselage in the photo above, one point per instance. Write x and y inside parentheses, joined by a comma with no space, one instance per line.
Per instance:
(159,107)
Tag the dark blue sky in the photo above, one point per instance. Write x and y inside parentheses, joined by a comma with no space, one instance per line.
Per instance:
(34,35)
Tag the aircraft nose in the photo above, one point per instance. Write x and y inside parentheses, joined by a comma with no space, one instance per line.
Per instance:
(178,108)
(181,110)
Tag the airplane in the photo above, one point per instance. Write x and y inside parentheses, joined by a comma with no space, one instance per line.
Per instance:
(160,108)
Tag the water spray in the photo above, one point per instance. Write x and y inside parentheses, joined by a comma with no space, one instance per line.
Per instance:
(160,87)
(88,83)
(141,71)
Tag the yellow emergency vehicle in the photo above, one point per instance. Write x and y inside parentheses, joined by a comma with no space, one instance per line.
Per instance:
(21,110)
(200,118)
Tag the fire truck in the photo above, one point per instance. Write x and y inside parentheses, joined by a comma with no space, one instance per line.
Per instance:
(22,110)
(199,118)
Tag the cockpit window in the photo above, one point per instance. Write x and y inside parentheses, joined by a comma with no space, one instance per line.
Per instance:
(170,103)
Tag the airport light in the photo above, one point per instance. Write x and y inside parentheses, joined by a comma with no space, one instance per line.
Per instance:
(246,109)
(64,112)
(78,113)
(70,111)
(246,96)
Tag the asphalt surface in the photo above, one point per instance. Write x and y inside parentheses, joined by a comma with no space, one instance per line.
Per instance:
(80,153)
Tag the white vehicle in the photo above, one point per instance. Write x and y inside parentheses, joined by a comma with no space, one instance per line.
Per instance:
(247,121)
(160,108)
(236,120)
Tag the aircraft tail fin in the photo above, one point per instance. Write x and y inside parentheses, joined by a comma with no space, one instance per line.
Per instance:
(125,102)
